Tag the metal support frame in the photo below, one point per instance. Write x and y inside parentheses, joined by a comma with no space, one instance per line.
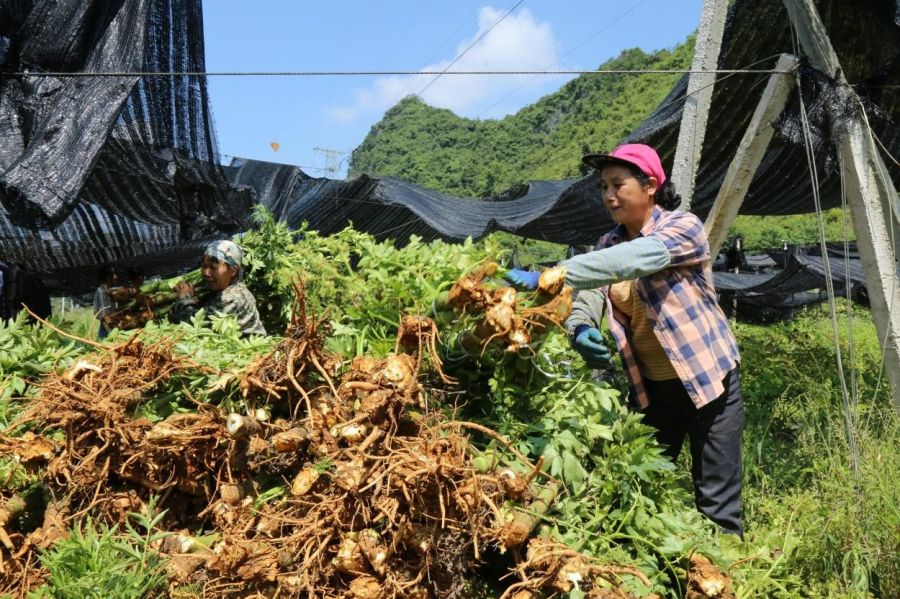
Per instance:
(870,192)
(699,96)
(749,154)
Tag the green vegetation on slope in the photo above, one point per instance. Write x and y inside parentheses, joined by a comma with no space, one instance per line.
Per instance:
(435,148)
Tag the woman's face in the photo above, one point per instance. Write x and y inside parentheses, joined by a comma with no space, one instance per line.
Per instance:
(629,203)
(218,275)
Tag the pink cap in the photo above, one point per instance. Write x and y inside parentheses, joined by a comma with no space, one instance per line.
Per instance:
(642,156)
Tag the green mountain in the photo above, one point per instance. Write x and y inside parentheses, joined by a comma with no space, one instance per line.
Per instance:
(545,140)
(435,148)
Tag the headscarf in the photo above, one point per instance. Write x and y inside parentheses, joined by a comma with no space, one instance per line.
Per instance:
(228,252)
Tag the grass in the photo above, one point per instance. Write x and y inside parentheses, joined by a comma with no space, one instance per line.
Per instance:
(802,474)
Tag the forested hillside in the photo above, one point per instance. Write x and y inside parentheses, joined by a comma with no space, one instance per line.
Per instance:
(435,148)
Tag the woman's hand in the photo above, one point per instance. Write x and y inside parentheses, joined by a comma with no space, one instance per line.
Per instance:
(523,279)
(184,290)
(589,343)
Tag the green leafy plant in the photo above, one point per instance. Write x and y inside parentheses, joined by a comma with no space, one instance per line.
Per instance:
(103,562)
(269,268)
(26,353)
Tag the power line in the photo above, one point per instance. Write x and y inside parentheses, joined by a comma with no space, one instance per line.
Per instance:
(452,33)
(569,53)
(440,46)
(82,74)
(470,46)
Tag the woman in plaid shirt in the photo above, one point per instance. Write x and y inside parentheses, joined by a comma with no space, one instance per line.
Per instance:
(652,275)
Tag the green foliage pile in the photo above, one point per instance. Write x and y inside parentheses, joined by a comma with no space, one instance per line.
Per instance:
(815,526)
(27,352)
(364,286)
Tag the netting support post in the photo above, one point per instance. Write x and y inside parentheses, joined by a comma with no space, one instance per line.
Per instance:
(699,97)
(870,192)
(750,153)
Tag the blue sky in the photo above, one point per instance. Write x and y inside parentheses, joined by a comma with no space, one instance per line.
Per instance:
(301,113)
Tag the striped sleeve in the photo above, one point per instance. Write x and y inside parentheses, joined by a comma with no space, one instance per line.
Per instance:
(622,262)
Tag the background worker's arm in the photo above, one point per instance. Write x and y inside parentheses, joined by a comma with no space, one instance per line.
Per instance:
(186,306)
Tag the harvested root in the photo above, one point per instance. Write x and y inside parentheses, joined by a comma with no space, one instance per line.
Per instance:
(352,488)
(280,375)
(290,440)
(9,509)
(519,529)
(550,565)
(418,333)
(706,580)
(552,281)
(304,481)
(364,587)
(30,450)
(513,323)
(242,427)
(551,314)
(468,291)
(105,388)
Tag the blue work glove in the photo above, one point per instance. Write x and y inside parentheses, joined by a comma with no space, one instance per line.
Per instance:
(588,341)
(523,279)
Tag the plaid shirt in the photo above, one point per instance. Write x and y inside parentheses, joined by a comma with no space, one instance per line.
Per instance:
(682,308)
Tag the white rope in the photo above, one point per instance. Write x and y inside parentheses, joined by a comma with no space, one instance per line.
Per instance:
(829,283)
(851,347)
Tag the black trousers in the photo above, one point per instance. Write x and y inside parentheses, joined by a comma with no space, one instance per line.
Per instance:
(714,432)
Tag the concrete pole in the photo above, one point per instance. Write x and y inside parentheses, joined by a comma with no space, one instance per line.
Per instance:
(699,96)
(749,154)
(870,192)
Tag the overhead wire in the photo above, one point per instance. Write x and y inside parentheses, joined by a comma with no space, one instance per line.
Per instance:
(567,54)
(399,38)
(364,73)
(472,45)
(434,54)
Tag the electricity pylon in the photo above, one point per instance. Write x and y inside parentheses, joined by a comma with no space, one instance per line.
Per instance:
(332,160)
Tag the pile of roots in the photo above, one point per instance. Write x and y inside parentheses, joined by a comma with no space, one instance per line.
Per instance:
(326,485)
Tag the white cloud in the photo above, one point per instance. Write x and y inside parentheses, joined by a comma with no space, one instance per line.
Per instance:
(518,43)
